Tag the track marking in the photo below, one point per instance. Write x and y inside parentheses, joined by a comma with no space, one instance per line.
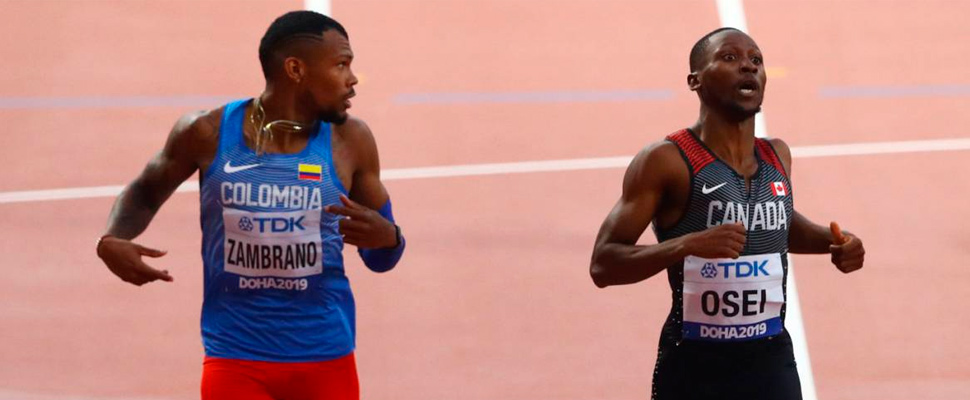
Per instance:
(893,91)
(732,14)
(320,6)
(776,72)
(577,164)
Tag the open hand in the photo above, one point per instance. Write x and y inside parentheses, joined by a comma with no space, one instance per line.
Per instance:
(123,258)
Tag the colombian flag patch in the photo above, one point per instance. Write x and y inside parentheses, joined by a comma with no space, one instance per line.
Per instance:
(310,172)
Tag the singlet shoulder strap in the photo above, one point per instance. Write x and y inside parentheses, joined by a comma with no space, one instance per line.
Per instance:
(694,153)
(767,152)
(230,129)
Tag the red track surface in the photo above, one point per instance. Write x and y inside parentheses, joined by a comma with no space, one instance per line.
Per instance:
(493,300)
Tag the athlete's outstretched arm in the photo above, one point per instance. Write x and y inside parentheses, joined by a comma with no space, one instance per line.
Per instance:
(617,259)
(807,237)
(369,222)
(140,200)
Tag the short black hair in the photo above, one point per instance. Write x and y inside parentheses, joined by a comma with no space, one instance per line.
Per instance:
(290,26)
(697,52)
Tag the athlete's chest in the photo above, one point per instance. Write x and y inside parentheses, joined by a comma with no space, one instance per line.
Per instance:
(273,185)
(340,163)
(762,202)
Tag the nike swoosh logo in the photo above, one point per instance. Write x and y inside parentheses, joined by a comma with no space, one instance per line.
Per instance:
(708,190)
(229,169)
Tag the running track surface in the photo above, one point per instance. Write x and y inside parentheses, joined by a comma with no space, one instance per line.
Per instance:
(493,299)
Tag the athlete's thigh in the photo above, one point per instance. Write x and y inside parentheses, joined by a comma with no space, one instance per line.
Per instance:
(328,380)
(770,376)
(669,377)
(224,379)
(781,384)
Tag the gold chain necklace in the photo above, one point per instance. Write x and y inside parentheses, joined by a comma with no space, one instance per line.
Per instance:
(264,131)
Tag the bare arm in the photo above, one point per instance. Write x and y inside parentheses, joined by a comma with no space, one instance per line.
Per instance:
(807,237)
(141,199)
(617,259)
(367,188)
(804,236)
(364,227)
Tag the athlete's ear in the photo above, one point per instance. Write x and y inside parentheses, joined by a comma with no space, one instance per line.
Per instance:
(295,69)
(693,82)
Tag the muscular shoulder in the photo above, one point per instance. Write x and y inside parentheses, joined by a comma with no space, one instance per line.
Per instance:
(660,158)
(655,167)
(199,124)
(355,131)
(195,135)
(359,140)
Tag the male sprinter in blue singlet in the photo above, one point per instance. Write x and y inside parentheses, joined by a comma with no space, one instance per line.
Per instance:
(287,179)
(720,201)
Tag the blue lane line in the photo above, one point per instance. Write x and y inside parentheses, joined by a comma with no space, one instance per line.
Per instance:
(843,92)
(533,97)
(20,103)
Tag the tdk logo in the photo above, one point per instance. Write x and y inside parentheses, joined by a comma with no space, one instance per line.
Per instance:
(709,271)
(740,269)
(276,225)
(245,224)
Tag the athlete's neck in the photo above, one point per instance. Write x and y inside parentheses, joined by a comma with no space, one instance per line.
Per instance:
(731,140)
(284,106)
(285,128)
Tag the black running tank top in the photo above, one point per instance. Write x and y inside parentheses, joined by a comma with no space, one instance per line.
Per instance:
(730,300)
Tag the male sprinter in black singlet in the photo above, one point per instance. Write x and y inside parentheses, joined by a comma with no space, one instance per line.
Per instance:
(721,205)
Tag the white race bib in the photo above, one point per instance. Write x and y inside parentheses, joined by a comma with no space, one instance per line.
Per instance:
(733,299)
(273,244)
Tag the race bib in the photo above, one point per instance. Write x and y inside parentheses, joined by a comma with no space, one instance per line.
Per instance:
(273,244)
(733,299)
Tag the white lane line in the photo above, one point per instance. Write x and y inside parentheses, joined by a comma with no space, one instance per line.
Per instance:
(852,149)
(732,15)
(320,6)
(507,168)
(78,193)
(795,325)
(519,168)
